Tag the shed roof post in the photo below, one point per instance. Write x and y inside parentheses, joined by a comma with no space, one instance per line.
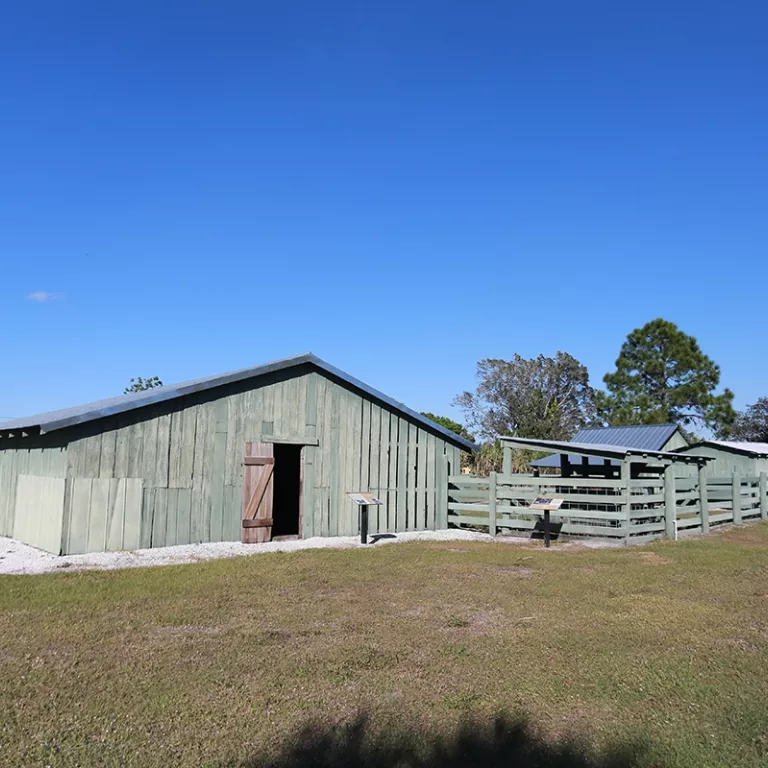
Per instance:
(670,502)
(626,486)
(507,463)
(764,495)
(492,504)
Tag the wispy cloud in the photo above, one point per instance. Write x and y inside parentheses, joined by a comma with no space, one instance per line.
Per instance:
(42,296)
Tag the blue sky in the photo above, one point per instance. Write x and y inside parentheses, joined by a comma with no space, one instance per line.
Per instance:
(403,188)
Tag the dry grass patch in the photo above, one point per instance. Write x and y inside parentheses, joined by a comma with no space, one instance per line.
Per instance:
(203,664)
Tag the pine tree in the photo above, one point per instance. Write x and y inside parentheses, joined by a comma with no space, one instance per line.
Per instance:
(662,376)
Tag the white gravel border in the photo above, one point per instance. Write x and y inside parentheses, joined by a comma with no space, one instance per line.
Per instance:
(18,558)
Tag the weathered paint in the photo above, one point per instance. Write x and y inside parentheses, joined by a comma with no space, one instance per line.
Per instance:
(42,456)
(188,454)
(39,511)
(103,514)
(677,440)
(726,462)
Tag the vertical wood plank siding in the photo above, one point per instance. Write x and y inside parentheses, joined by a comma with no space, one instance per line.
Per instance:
(39,511)
(187,456)
(25,456)
(102,514)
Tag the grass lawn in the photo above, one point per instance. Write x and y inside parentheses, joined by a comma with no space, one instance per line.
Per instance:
(209,664)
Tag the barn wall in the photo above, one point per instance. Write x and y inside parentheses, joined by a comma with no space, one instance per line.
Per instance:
(39,511)
(41,456)
(727,462)
(188,453)
(674,442)
(367,446)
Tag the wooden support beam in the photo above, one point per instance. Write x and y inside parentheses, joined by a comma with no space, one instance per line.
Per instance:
(258,461)
(441,496)
(290,439)
(507,463)
(262,522)
(670,503)
(703,499)
(736,497)
(626,476)
(763,485)
(492,504)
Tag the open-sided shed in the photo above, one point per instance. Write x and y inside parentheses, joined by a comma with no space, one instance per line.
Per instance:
(726,457)
(254,454)
(648,437)
(610,491)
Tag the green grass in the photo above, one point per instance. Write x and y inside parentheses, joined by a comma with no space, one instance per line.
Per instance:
(209,663)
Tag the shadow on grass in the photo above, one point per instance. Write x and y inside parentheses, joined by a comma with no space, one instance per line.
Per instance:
(503,743)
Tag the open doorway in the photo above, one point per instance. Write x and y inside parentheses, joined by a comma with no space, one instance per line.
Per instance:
(286,511)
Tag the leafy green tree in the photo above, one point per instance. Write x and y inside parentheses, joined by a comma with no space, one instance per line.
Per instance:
(467,460)
(140,385)
(449,424)
(490,458)
(750,425)
(545,397)
(662,376)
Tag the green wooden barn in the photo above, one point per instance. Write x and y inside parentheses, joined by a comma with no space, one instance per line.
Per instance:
(253,455)
(746,459)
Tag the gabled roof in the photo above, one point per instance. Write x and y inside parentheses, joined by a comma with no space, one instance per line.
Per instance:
(651,437)
(757,450)
(598,450)
(68,417)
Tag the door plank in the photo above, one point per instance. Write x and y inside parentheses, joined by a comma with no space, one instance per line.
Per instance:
(258,493)
(257,461)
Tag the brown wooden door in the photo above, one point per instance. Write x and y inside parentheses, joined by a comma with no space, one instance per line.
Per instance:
(258,492)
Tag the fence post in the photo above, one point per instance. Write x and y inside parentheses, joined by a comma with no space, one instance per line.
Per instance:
(670,502)
(703,499)
(442,493)
(492,504)
(764,495)
(736,498)
(626,479)
(506,466)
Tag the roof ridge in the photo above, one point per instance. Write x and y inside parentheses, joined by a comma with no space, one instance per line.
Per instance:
(66,417)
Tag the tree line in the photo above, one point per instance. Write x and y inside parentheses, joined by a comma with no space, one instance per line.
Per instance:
(662,376)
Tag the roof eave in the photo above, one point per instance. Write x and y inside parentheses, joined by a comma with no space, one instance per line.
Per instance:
(724,447)
(607,452)
(172,392)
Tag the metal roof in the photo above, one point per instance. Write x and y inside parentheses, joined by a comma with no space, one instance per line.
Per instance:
(646,436)
(598,450)
(751,449)
(67,417)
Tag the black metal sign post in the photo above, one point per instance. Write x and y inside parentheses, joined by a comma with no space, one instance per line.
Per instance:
(363,499)
(364,524)
(546,505)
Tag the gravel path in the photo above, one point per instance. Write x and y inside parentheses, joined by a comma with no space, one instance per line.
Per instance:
(16,557)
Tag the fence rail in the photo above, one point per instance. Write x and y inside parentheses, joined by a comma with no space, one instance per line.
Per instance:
(626,508)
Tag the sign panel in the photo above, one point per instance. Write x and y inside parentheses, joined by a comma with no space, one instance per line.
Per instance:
(363,498)
(547,504)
